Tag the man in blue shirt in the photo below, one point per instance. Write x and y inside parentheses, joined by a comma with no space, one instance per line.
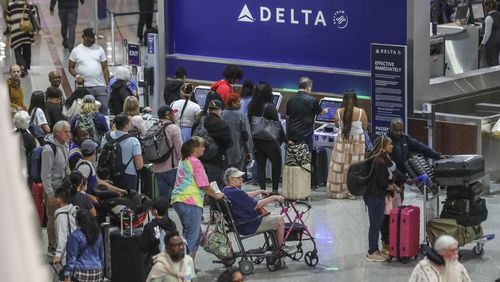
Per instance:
(131,153)
(245,207)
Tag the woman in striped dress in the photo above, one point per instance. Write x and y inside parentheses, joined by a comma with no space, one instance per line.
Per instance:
(349,145)
(20,40)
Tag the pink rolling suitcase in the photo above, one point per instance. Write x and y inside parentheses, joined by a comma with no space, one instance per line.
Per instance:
(404,232)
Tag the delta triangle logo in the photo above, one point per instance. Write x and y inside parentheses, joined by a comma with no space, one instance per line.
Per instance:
(245,15)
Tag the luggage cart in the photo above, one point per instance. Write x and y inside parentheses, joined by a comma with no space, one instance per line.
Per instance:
(429,195)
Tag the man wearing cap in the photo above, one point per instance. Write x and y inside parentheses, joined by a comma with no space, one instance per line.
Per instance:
(219,131)
(165,172)
(245,207)
(89,65)
(88,170)
(68,14)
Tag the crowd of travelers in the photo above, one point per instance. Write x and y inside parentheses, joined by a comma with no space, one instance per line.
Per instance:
(74,138)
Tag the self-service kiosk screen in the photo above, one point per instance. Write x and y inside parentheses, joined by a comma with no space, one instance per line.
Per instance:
(477,11)
(276,99)
(332,108)
(462,13)
(201,95)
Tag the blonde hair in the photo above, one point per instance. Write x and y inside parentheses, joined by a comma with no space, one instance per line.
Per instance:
(89,107)
(131,106)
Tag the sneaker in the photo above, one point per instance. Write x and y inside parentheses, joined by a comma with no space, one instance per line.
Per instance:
(375,257)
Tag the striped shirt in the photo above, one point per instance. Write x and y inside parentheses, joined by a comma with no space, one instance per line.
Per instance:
(15,11)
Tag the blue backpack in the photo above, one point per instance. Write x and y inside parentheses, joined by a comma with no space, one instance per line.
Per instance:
(35,162)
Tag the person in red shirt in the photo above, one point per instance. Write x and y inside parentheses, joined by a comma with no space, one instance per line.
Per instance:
(224,86)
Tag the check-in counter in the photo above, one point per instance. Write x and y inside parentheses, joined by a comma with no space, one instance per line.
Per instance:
(461,45)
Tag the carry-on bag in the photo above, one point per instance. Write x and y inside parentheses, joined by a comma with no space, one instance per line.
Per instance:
(106,231)
(465,212)
(319,166)
(448,226)
(471,192)
(404,232)
(459,170)
(417,165)
(149,186)
(296,182)
(128,262)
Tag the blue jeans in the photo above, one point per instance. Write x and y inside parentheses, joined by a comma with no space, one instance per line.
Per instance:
(186,133)
(376,207)
(190,217)
(166,182)
(127,182)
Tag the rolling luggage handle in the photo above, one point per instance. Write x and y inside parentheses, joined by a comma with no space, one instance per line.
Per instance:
(130,213)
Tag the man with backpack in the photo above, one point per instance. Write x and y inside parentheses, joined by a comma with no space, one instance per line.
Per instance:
(121,155)
(54,156)
(219,132)
(166,170)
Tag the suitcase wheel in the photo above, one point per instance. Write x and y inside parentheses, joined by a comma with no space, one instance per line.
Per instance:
(478,250)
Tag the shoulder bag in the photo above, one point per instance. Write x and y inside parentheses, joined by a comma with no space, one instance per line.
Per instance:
(25,23)
(217,242)
(265,129)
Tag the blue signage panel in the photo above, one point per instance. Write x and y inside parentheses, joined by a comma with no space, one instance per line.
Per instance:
(326,33)
(151,43)
(388,85)
(134,57)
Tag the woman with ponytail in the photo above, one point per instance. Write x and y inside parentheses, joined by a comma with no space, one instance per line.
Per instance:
(349,145)
(384,175)
(77,185)
(85,253)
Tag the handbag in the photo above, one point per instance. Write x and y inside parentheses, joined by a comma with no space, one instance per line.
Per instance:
(217,242)
(359,176)
(265,129)
(297,154)
(25,24)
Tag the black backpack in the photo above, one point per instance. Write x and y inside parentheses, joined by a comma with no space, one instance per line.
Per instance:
(156,148)
(211,148)
(110,165)
(359,176)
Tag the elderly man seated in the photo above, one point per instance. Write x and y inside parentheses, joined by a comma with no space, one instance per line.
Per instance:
(441,263)
(245,208)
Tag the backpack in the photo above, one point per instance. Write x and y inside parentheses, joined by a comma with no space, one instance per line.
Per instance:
(87,121)
(110,165)
(36,130)
(156,148)
(35,162)
(211,148)
(359,176)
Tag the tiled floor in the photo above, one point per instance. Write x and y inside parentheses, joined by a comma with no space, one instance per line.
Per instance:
(340,226)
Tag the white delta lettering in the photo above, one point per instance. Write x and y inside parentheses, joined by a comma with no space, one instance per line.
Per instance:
(266,14)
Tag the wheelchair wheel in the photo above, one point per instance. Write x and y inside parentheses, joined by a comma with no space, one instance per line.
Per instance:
(273,264)
(227,262)
(311,259)
(246,267)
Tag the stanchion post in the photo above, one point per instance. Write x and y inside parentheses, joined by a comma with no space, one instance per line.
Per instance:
(113,38)
(96,19)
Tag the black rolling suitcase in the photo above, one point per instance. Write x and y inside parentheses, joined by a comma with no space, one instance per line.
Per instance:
(106,231)
(319,166)
(471,192)
(127,259)
(459,170)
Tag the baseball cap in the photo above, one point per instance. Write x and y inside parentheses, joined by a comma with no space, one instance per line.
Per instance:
(89,32)
(215,104)
(88,147)
(232,172)
(88,99)
(165,109)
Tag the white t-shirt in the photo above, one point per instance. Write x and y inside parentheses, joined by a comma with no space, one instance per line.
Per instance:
(189,113)
(39,118)
(88,63)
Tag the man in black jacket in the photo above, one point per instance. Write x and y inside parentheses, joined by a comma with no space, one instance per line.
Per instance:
(152,237)
(68,14)
(172,91)
(219,131)
(404,145)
